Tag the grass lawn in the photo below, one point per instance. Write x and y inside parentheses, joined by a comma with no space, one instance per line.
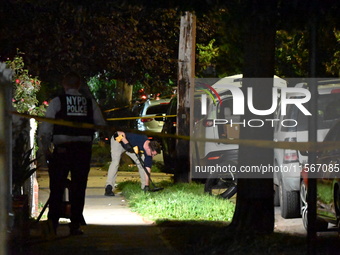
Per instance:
(180,202)
(197,223)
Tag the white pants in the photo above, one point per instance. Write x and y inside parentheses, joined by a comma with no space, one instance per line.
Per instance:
(116,152)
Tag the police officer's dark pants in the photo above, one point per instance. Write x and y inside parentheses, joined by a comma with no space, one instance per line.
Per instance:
(68,158)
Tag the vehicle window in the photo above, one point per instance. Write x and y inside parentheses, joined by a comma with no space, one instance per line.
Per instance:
(138,109)
(224,111)
(198,109)
(277,115)
(292,113)
(334,133)
(328,111)
(157,109)
(302,120)
(332,136)
(331,109)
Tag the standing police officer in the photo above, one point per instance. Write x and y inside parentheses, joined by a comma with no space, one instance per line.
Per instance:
(71,152)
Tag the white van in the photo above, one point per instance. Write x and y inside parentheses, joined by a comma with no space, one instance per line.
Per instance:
(219,106)
(287,181)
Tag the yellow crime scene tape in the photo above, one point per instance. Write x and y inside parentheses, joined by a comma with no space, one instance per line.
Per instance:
(117,108)
(302,146)
(144,117)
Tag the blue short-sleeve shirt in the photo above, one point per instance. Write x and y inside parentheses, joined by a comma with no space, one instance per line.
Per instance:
(139,140)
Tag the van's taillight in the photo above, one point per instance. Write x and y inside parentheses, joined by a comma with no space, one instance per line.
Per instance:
(146,120)
(304,174)
(289,155)
(208,123)
(335,91)
(214,158)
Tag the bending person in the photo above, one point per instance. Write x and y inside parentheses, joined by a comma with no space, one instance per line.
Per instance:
(123,143)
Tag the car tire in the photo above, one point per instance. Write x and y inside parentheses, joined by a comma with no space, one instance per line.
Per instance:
(276,195)
(320,225)
(222,186)
(230,192)
(289,202)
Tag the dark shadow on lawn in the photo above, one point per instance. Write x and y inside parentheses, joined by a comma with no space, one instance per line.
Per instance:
(170,237)
(214,238)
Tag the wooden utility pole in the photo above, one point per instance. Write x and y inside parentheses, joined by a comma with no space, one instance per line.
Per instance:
(186,73)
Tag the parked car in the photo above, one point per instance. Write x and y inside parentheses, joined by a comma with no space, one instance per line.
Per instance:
(287,182)
(149,110)
(113,116)
(216,154)
(169,143)
(327,174)
(169,127)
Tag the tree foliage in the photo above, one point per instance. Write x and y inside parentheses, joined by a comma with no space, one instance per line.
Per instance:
(129,39)
(333,66)
(294,24)
(89,37)
(131,43)
(292,38)
(207,55)
(103,90)
(292,54)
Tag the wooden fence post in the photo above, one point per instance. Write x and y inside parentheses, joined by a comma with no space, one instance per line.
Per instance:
(5,155)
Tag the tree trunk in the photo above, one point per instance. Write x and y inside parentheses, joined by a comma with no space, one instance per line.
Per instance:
(124,93)
(255,209)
